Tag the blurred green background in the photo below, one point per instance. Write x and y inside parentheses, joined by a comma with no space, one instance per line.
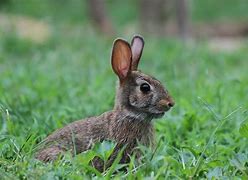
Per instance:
(55,68)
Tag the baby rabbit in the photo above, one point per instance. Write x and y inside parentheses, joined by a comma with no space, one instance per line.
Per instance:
(139,99)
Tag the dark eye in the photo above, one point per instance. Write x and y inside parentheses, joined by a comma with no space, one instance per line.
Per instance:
(145,87)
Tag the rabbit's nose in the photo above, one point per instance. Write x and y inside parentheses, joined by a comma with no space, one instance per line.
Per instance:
(170,102)
(166,103)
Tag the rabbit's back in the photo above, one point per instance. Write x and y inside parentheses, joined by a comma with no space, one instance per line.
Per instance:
(76,137)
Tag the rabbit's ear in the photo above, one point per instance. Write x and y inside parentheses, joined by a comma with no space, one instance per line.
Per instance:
(137,45)
(121,58)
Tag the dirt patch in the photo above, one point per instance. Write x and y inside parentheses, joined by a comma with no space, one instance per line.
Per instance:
(25,27)
(206,30)
(221,29)
(221,36)
(225,44)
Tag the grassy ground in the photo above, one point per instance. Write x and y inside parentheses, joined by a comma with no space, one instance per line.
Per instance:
(45,86)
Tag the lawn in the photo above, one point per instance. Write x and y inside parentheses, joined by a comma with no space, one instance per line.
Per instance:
(46,85)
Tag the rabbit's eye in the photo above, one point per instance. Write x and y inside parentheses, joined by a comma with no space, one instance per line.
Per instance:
(145,87)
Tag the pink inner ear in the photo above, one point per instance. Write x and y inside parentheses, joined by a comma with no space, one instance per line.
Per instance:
(121,58)
(123,68)
(137,48)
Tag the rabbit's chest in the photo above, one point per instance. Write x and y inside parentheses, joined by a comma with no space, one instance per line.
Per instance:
(130,133)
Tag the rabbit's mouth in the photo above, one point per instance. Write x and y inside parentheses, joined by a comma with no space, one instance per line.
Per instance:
(159,109)
(158,115)
(157,112)
(167,108)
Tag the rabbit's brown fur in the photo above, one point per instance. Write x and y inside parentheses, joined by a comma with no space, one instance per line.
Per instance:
(130,120)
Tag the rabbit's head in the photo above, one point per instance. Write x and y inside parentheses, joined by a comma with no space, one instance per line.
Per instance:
(138,93)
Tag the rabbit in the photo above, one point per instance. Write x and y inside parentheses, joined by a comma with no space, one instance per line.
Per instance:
(139,99)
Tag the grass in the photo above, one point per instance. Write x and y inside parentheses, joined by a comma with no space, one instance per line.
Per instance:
(46,86)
